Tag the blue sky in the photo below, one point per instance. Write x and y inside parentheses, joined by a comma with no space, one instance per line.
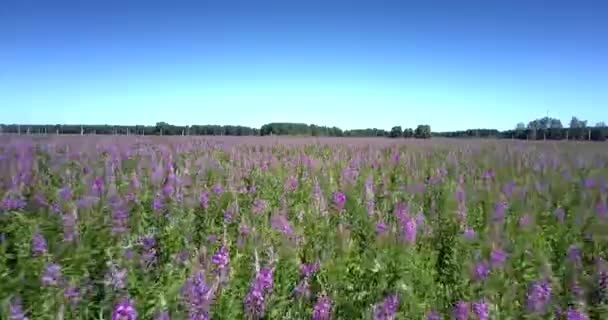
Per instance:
(353,64)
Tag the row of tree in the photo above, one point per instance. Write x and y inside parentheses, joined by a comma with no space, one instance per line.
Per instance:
(163,128)
(539,129)
(545,128)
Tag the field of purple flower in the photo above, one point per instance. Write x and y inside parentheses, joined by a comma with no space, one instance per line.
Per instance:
(296,228)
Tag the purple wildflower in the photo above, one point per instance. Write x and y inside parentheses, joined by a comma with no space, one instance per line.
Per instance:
(120,219)
(525,221)
(280,223)
(577,290)
(52,275)
(72,294)
(322,309)
(12,203)
(574,314)
(99,186)
(39,246)
(381,228)
(205,200)
(266,279)
(409,230)
(198,296)
(259,206)
(221,258)
(539,295)
(158,203)
(302,290)
(148,256)
(469,233)
(66,193)
(308,270)
(255,301)
(461,311)
(482,270)
(339,200)
(291,184)
(498,257)
(124,311)
(499,211)
(16,310)
(168,190)
(218,189)
(255,304)
(116,278)
(481,310)
(388,309)
(371,207)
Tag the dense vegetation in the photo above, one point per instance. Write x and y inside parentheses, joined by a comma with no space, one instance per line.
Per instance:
(540,129)
(161,228)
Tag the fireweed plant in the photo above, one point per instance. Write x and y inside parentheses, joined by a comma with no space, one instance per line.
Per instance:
(192,228)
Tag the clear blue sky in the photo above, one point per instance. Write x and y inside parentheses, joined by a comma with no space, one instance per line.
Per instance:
(353,64)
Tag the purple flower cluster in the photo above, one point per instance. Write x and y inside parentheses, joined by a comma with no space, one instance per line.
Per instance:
(66,193)
(292,184)
(307,271)
(16,310)
(482,270)
(73,294)
(259,206)
(221,258)
(461,311)
(387,310)
(218,189)
(481,310)
(158,204)
(148,255)
(500,210)
(198,296)
(116,277)
(39,246)
(322,309)
(124,310)
(281,224)
(52,275)
(339,200)
(12,203)
(409,225)
(498,257)
(255,301)
(120,219)
(470,234)
(539,295)
(204,199)
(573,314)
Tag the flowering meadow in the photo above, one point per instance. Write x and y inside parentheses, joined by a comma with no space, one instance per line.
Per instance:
(302,228)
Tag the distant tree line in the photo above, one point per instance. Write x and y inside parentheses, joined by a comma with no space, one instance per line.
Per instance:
(163,128)
(539,129)
(545,128)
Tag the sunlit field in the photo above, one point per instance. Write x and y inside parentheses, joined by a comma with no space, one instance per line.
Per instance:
(302,228)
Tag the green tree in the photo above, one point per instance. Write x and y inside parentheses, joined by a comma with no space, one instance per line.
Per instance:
(423,131)
(396,132)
